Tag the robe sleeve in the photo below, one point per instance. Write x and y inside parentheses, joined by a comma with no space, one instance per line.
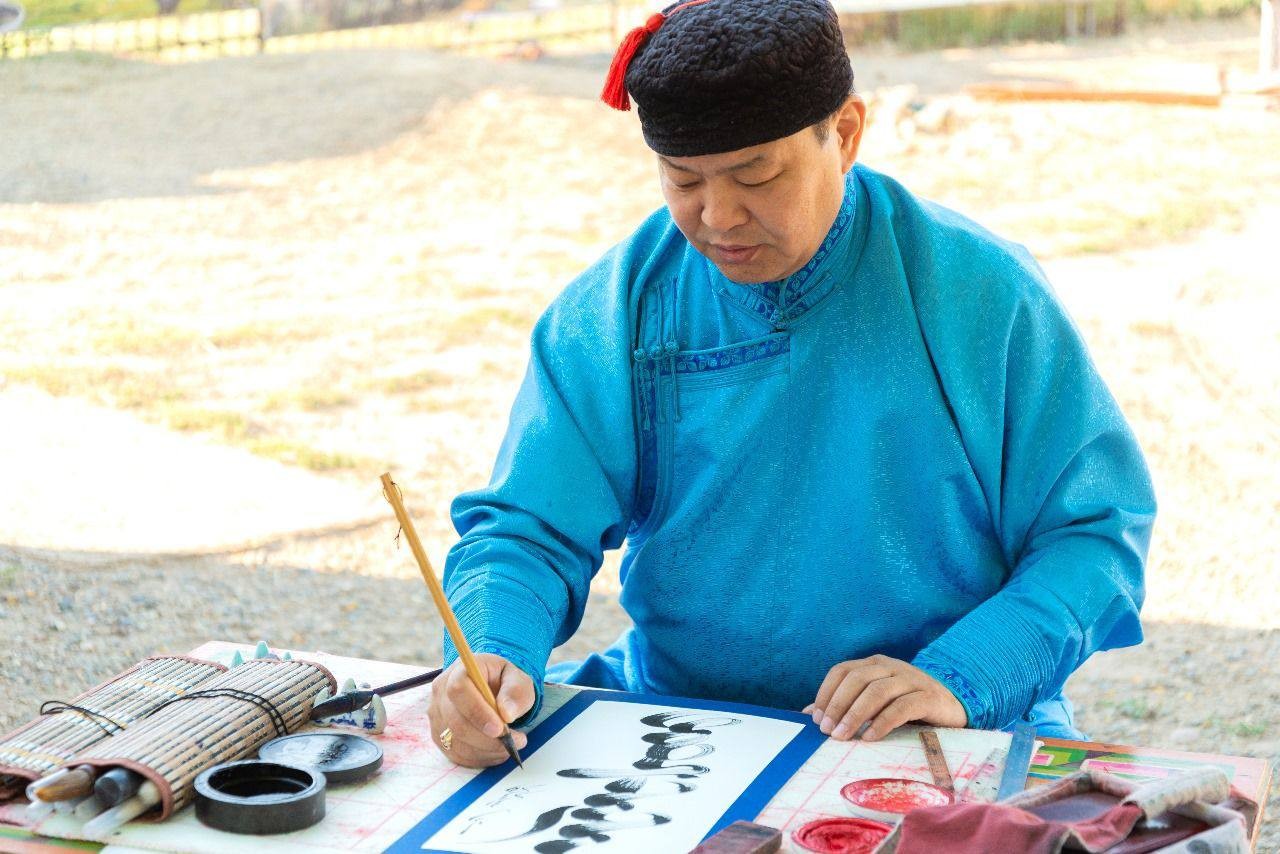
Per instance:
(562,487)
(1068,491)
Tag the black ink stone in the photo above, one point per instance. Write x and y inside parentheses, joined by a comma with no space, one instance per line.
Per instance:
(341,757)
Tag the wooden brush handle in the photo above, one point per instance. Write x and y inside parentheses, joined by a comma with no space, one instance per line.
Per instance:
(75,783)
(392,494)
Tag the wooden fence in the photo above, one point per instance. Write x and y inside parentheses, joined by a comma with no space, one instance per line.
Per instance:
(238,32)
(171,37)
(598,26)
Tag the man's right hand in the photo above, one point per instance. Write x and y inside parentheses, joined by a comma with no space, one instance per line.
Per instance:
(458,707)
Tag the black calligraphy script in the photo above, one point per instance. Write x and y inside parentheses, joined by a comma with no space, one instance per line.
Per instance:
(666,768)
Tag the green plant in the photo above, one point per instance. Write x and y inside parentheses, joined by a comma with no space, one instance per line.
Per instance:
(54,13)
(1248,729)
(1135,708)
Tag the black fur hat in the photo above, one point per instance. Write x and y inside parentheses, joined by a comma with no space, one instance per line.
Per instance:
(711,76)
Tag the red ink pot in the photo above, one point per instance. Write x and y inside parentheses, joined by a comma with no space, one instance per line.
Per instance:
(888,799)
(840,835)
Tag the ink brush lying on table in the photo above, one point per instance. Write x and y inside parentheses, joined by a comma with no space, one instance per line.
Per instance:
(353,700)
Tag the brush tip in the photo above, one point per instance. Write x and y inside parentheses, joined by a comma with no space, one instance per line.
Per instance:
(510,744)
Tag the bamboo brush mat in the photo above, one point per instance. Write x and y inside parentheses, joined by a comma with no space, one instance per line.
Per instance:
(178,742)
(46,743)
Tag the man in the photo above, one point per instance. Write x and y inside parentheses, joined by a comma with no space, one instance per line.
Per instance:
(858,454)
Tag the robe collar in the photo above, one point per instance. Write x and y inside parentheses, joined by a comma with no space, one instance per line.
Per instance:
(783,302)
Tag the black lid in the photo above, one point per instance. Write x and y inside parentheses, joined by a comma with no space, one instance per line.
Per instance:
(257,797)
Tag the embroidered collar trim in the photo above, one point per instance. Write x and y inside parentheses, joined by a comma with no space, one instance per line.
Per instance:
(785,300)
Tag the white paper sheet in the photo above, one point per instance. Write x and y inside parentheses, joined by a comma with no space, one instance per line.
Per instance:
(621,778)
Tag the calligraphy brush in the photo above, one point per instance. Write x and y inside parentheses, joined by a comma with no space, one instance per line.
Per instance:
(352,700)
(392,493)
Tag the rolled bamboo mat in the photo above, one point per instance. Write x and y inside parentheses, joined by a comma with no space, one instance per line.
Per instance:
(257,701)
(45,744)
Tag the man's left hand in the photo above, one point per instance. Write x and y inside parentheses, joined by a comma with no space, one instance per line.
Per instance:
(883,693)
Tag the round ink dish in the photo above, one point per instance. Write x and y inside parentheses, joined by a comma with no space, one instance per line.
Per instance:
(889,799)
(840,835)
(251,796)
(341,757)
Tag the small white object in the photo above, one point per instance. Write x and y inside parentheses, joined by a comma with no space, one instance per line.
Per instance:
(88,808)
(107,823)
(11,16)
(371,719)
(68,805)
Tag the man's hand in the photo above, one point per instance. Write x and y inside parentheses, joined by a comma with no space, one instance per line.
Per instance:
(458,707)
(883,693)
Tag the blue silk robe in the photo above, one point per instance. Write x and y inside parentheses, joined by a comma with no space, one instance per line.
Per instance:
(903,448)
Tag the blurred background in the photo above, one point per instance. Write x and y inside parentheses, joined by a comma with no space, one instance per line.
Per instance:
(251,256)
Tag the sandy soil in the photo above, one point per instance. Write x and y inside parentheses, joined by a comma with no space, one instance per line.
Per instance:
(332,261)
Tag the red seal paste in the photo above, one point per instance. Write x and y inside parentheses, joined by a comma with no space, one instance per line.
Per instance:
(889,799)
(840,835)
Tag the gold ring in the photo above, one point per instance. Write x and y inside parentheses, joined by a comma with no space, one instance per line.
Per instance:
(446,738)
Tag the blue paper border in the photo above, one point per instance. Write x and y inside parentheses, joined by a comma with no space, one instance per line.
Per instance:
(748,805)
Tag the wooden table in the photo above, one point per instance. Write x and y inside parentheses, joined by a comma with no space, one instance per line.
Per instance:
(416,778)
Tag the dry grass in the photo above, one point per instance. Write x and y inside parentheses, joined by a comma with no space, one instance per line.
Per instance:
(298,454)
(311,399)
(328,287)
(332,286)
(132,336)
(1070,179)
(228,426)
(124,387)
(349,286)
(410,383)
(264,333)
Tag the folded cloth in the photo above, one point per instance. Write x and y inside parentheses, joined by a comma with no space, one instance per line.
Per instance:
(995,827)
(1087,811)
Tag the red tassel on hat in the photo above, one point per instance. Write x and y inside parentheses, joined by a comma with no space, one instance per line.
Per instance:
(615,85)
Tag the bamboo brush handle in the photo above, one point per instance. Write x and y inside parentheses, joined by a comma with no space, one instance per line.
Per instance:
(437,593)
(65,785)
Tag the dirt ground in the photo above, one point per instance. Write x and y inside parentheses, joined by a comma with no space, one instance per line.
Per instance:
(332,261)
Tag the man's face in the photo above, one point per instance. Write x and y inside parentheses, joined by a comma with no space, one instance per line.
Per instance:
(760,213)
